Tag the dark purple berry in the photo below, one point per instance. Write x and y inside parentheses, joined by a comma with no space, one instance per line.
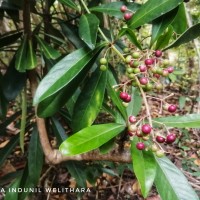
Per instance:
(148,61)
(170,138)
(158,53)
(123,95)
(172,108)
(123,8)
(146,128)
(127,16)
(160,139)
(140,146)
(143,80)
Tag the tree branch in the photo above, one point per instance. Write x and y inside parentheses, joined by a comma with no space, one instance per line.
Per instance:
(54,156)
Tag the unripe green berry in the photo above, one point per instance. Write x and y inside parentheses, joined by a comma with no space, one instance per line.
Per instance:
(136,55)
(136,70)
(103,67)
(154,148)
(128,59)
(131,75)
(126,50)
(160,153)
(103,61)
(129,70)
(125,104)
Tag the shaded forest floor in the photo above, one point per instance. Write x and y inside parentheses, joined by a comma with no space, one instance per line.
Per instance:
(184,153)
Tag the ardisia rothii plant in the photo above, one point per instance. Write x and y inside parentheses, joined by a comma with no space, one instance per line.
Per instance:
(83,60)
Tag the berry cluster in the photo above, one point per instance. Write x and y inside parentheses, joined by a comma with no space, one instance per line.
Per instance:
(149,67)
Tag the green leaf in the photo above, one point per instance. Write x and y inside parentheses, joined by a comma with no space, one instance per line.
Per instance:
(35,157)
(58,130)
(115,95)
(63,79)
(131,36)
(135,105)
(90,138)
(48,51)
(5,152)
(105,148)
(13,81)
(69,3)
(14,185)
(89,101)
(20,62)
(182,101)
(171,183)
(31,57)
(113,8)
(71,32)
(186,121)
(180,22)
(9,38)
(151,10)
(161,23)
(164,39)
(75,168)
(88,28)
(189,35)
(144,166)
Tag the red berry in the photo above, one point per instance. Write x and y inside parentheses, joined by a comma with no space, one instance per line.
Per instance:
(146,128)
(132,119)
(123,8)
(123,95)
(143,80)
(156,76)
(148,61)
(170,138)
(130,133)
(170,69)
(140,146)
(158,53)
(128,99)
(127,16)
(143,68)
(172,108)
(160,139)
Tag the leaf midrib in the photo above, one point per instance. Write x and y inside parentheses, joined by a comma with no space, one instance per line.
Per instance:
(95,136)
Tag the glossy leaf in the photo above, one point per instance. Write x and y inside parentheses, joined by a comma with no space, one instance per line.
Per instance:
(90,138)
(189,35)
(13,81)
(151,10)
(171,183)
(48,51)
(186,121)
(113,8)
(63,79)
(20,62)
(13,195)
(69,3)
(135,105)
(58,130)
(105,148)
(160,24)
(31,57)
(180,22)
(115,95)
(89,101)
(144,166)
(35,157)
(164,39)
(88,28)
(132,37)
(9,38)
(71,32)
